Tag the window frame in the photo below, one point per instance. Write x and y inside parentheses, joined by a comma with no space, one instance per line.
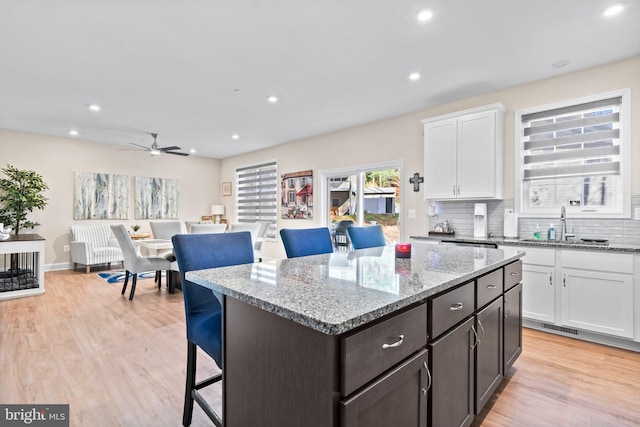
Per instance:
(623,210)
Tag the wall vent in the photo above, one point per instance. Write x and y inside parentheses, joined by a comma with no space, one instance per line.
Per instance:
(560,329)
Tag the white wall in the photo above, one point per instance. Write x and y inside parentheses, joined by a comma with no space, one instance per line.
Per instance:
(57,160)
(401,138)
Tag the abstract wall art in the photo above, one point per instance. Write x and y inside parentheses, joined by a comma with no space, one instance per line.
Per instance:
(156,198)
(101,196)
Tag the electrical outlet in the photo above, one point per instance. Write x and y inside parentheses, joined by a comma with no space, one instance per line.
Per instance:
(67,248)
(411,213)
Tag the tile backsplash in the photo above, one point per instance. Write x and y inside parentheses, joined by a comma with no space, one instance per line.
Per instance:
(460,217)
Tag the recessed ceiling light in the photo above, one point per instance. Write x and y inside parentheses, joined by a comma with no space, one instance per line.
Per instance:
(94,107)
(193,150)
(272,99)
(613,9)
(73,132)
(414,76)
(424,15)
(561,63)
(235,136)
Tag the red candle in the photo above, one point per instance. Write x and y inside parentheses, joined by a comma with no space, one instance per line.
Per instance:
(403,250)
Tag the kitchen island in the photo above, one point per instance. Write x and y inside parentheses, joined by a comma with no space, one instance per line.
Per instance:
(344,338)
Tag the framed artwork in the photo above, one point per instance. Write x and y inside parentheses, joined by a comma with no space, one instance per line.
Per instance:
(101,196)
(226,188)
(156,198)
(297,195)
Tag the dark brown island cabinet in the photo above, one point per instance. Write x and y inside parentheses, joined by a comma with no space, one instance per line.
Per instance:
(435,363)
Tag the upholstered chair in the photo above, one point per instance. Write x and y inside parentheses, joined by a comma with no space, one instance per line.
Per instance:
(93,244)
(306,241)
(207,228)
(253,228)
(134,263)
(366,237)
(203,307)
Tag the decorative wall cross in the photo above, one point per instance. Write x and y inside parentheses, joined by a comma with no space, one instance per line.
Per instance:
(416,181)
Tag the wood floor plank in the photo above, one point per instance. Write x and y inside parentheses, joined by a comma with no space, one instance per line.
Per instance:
(122,363)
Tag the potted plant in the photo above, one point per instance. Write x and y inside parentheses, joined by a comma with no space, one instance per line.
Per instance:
(135,229)
(20,193)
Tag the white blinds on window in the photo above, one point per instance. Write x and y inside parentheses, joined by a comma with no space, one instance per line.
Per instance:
(257,189)
(577,140)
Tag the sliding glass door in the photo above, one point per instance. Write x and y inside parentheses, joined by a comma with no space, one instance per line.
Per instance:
(366,195)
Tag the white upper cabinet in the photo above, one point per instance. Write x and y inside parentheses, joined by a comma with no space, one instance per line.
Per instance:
(463,154)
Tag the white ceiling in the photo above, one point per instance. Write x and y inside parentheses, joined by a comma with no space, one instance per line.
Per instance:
(172,67)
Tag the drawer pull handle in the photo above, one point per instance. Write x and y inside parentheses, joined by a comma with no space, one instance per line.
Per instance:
(514,273)
(457,306)
(395,344)
(492,286)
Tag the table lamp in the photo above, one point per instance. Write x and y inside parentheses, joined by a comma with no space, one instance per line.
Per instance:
(217,211)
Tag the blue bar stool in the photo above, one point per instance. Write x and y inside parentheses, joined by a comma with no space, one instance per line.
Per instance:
(366,237)
(306,241)
(203,307)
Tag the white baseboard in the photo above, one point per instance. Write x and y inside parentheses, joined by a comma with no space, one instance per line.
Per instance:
(585,336)
(58,266)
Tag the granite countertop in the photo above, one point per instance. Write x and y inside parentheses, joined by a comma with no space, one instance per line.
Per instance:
(334,293)
(508,241)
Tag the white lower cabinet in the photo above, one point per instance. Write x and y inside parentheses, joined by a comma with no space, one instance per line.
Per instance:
(598,302)
(590,291)
(538,293)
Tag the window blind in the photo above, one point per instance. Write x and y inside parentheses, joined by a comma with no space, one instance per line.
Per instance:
(256,195)
(577,140)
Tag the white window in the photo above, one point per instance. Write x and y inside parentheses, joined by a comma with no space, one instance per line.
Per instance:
(574,154)
(257,194)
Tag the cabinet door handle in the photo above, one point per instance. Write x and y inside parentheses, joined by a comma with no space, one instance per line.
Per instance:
(550,279)
(454,189)
(457,306)
(564,281)
(475,337)
(514,273)
(507,312)
(395,344)
(424,390)
(482,328)
(458,189)
(492,286)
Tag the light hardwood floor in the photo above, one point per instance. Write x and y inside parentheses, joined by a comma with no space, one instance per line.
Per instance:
(121,363)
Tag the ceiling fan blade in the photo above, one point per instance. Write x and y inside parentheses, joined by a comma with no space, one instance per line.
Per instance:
(177,153)
(141,146)
(173,147)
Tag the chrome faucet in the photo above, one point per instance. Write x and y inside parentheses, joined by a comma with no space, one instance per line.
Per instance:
(563,225)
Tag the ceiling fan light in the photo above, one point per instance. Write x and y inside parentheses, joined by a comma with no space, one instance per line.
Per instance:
(424,15)
(154,152)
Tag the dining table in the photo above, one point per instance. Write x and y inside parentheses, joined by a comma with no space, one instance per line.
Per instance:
(153,247)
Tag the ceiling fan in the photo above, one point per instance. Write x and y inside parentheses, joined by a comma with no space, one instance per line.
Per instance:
(154,150)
